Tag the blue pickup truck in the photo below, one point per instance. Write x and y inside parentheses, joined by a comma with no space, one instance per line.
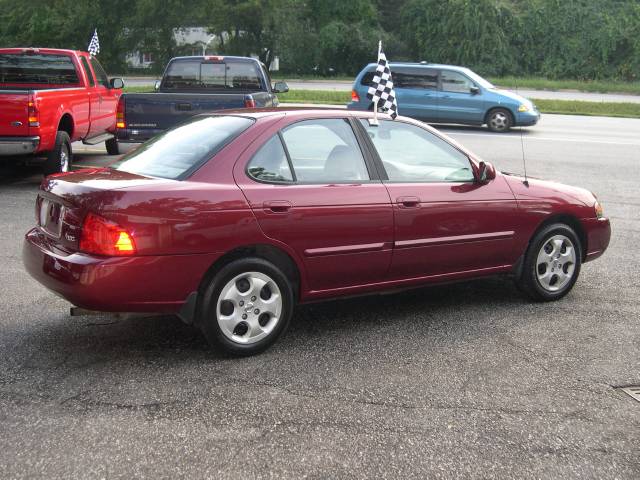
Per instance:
(193,85)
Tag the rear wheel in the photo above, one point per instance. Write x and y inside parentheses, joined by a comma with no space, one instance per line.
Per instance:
(552,263)
(499,120)
(246,307)
(59,159)
(112,146)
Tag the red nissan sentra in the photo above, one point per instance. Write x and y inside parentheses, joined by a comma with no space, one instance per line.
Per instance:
(230,220)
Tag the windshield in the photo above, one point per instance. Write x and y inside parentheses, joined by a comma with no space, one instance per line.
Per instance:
(478,79)
(179,152)
(199,75)
(37,69)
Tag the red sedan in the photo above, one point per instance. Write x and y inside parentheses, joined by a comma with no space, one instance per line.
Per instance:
(230,220)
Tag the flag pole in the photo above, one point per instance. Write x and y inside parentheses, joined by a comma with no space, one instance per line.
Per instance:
(375,103)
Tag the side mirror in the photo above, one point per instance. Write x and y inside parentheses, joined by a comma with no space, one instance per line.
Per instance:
(116,83)
(486,172)
(281,87)
(156,86)
(474,90)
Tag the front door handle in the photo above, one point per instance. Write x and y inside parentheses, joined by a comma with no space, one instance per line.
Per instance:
(408,202)
(277,206)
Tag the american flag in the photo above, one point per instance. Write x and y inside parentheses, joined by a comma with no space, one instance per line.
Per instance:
(94,44)
(381,89)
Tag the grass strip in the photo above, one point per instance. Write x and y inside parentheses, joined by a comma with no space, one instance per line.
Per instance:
(566,107)
(598,86)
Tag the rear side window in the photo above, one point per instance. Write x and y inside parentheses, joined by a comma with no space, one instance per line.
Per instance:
(210,76)
(37,69)
(177,153)
(404,78)
(270,163)
(87,70)
(324,151)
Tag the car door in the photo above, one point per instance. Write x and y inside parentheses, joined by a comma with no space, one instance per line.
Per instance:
(445,221)
(90,129)
(417,92)
(311,188)
(106,120)
(457,103)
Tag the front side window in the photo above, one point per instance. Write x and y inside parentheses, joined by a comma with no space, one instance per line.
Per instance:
(456,82)
(412,154)
(87,70)
(270,163)
(325,151)
(101,75)
(180,151)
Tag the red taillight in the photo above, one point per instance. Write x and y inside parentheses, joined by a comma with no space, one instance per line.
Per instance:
(354,96)
(103,237)
(120,121)
(34,115)
(249,102)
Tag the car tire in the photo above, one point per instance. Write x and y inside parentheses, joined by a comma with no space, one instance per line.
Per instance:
(59,159)
(499,120)
(113,148)
(246,307)
(551,264)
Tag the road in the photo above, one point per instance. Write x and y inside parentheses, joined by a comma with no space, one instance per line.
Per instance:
(460,381)
(341,85)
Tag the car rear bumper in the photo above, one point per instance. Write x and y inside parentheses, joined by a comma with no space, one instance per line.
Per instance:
(598,233)
(18,145)
(115,284)
(137,135)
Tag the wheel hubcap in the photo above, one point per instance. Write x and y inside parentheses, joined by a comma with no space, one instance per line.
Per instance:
(249,307)
(64,160)
(499,121)
(556,263)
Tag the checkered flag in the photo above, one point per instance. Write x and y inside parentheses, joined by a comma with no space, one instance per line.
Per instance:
(94,44)
(381,89)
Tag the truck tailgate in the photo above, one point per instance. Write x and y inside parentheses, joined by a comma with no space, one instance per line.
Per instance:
(14,115)
(160,111)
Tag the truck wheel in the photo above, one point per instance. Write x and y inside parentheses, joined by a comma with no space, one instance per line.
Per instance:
(112,146)
(59,159)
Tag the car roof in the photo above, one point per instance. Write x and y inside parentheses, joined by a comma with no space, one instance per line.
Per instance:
(420,65)
(297,113)
(222,57)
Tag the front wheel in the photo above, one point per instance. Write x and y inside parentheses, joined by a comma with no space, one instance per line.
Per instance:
(59,159)
(551,264)
(112,146)
(246,307)
(499,120)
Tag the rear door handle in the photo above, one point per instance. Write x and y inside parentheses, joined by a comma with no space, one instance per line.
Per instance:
(277,206)
(408,202)
(183,107)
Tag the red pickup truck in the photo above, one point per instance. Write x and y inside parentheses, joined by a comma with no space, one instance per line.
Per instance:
(50,98)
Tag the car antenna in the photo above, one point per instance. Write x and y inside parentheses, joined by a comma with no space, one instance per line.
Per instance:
(524,161)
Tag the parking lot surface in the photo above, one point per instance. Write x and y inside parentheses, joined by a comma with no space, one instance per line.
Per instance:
(459,381)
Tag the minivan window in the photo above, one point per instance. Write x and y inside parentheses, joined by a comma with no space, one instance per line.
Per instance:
(455,82)
(25,68)
(402,78)
(325,151)
(412,154)
(180,151)
(199,75)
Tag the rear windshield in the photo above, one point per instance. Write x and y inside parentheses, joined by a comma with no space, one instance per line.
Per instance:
(177,153)
(37,68)
(208,76)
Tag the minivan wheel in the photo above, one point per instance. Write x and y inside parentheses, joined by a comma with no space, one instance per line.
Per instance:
(499,120)
(246,307)
(552,263)
(59,159)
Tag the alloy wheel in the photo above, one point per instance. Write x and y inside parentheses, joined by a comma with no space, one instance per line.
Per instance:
(556,262)
(249,307)
(499,121)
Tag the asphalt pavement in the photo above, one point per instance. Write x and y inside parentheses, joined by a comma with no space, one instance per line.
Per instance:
(459,381)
